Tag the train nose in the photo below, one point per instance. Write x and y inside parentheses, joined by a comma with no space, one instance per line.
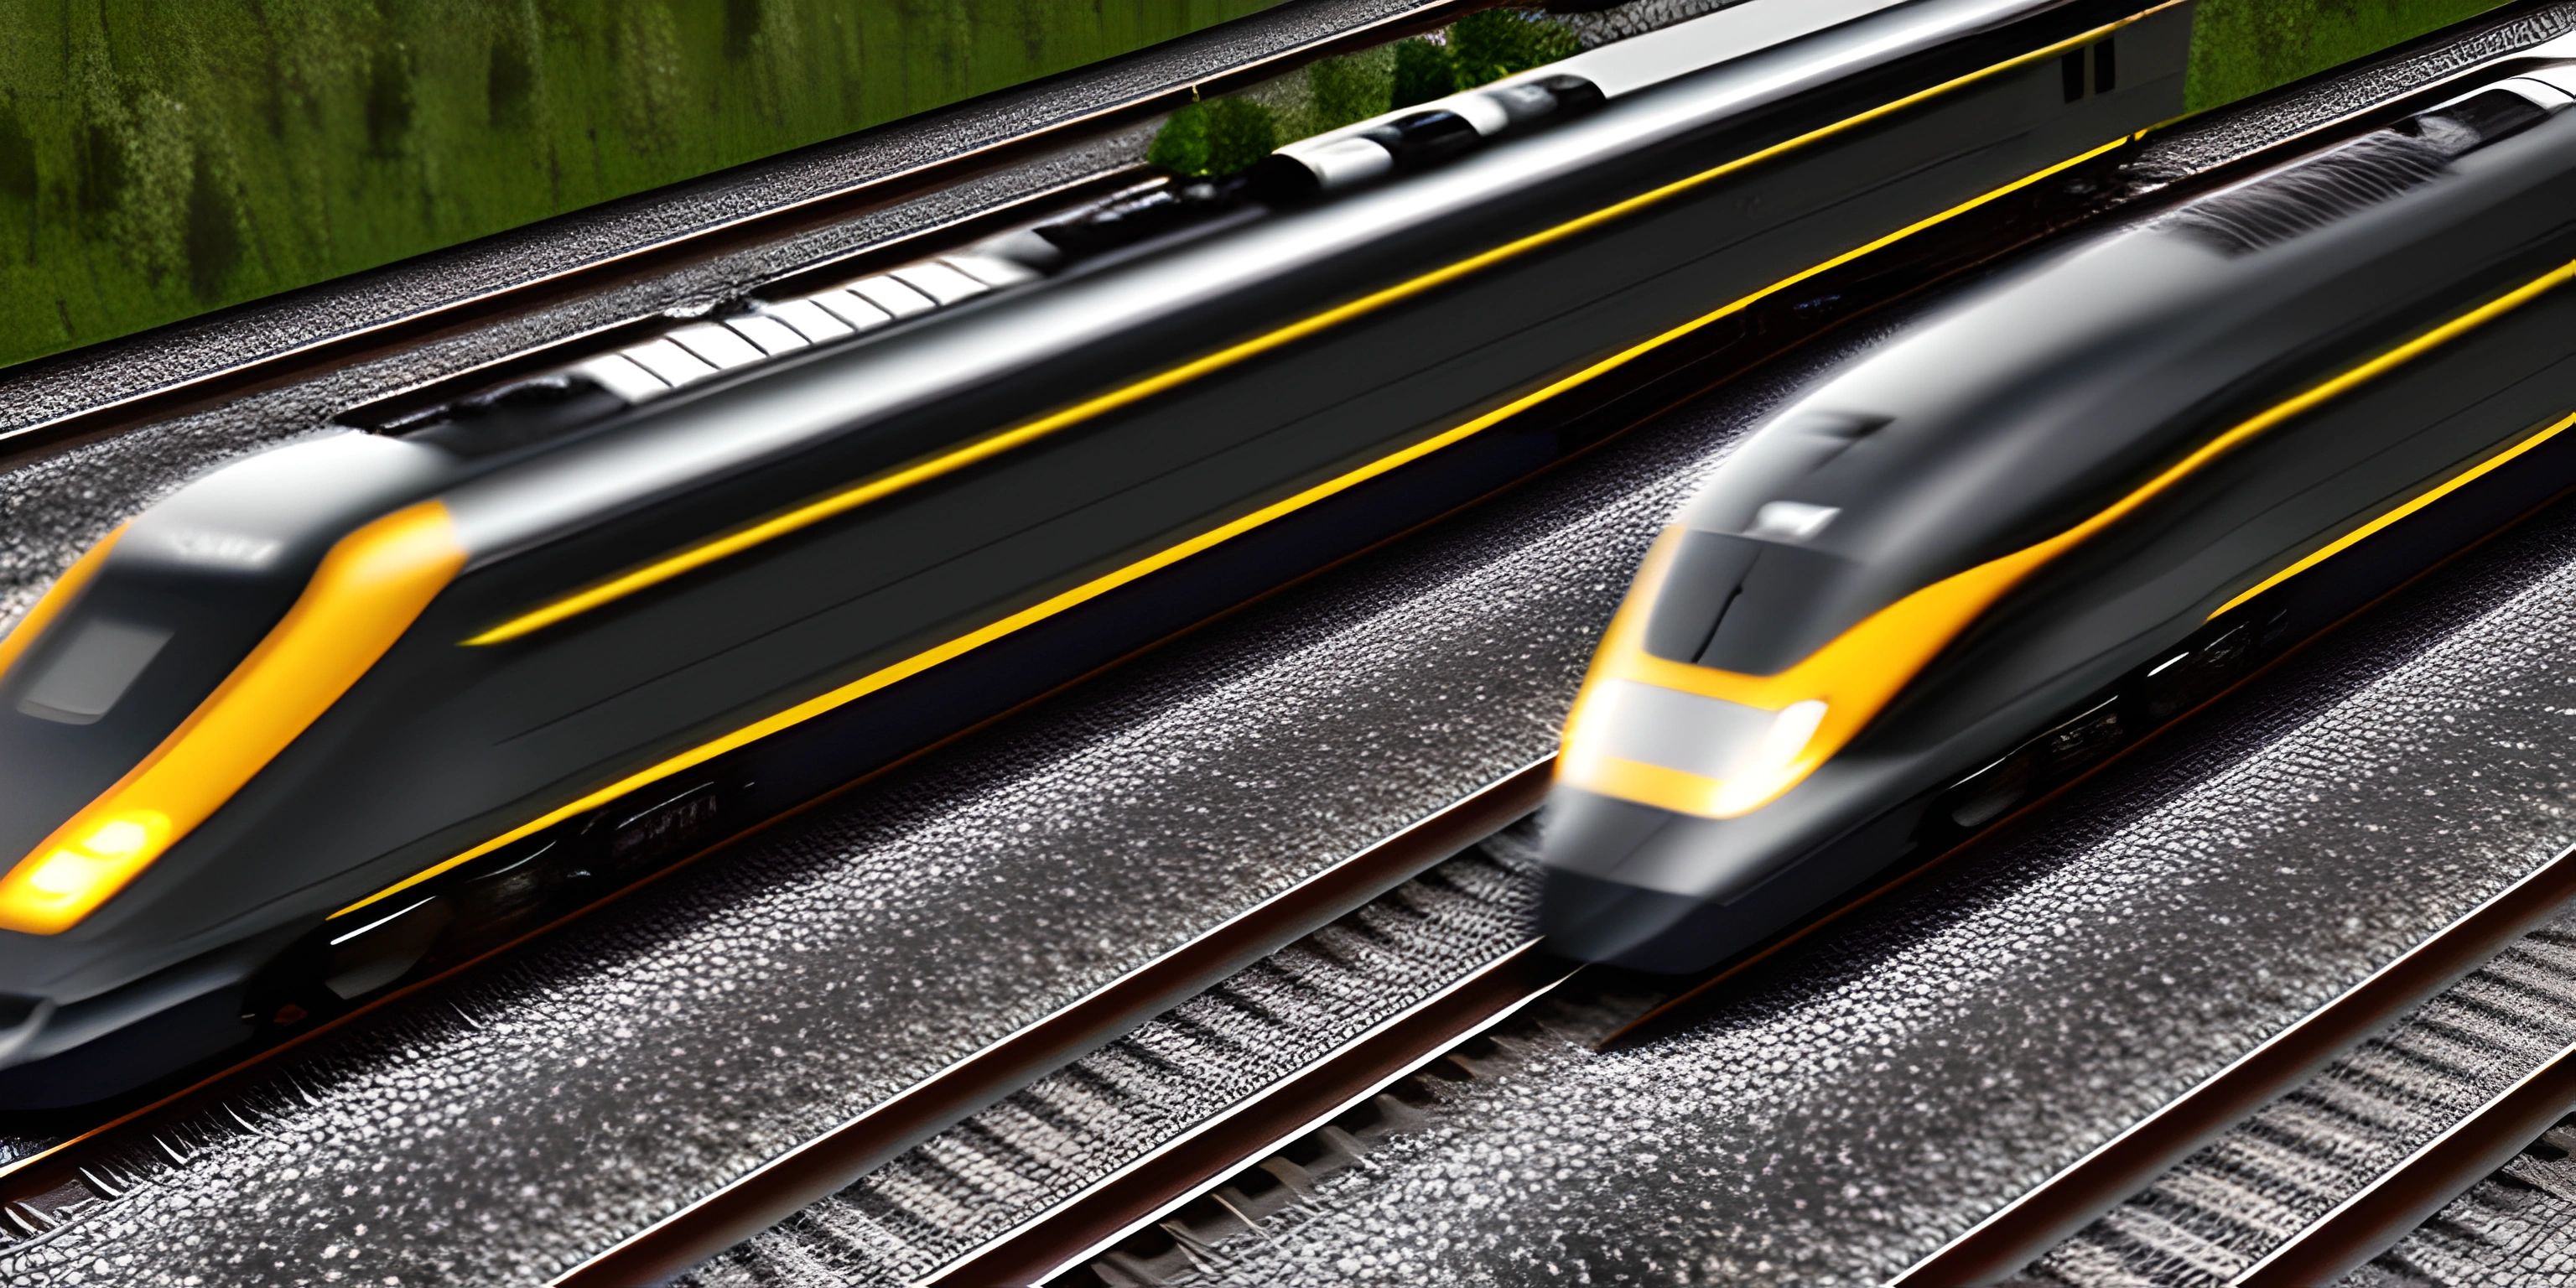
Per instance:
(20,1020)
(1592,908)
(1617,924)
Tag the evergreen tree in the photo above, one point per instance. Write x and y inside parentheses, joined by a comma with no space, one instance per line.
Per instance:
(1344,90)
(1181,146)
(1422,73)
(1494,43)
(1239,133)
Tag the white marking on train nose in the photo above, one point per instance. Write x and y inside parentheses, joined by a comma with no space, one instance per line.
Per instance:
(1791,520)
(228,549)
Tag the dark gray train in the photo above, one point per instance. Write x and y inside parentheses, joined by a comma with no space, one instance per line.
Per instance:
(2079,503)
(328,713)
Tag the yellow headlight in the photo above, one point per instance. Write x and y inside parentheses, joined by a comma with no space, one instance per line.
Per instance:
(65,874)
(127,834)
(97,861)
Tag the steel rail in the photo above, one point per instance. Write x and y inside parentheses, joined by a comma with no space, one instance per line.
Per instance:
(1092,1220)
(2019,1232)
(815,1164)
(1151,1186)
(831,1161)
(1146,1189)
(2404,1197)
(286,365)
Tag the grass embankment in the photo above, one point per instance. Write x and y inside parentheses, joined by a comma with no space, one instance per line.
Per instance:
(159,159)
(2243,47)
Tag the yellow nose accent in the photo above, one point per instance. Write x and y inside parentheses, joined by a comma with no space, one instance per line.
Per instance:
(368,590)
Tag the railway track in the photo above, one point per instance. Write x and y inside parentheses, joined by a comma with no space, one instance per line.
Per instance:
(2025,1229)
(1143,1220)
(1079,1238)
(2404,1198)
(828,1162)
(2509,1227)
(1504,987)
(1360,1009)
(2461,1095)
(1083,1233)
(45,1188)
(1231,1225)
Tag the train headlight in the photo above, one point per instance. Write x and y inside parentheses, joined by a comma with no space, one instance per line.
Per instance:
(102,855)
(65,874)
(1686,752)
(1764,771)
(125,835)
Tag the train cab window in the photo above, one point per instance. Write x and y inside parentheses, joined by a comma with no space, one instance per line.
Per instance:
(91,670)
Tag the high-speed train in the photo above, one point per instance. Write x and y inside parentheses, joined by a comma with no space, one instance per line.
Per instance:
(1980,559)
(337,707)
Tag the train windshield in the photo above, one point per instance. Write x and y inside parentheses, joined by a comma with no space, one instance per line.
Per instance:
(113,677)
(95,666)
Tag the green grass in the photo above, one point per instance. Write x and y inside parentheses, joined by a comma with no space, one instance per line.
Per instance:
(159,158)
(2243,47)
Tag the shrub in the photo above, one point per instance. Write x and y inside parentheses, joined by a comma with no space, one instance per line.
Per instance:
(1239,133)
(1422,73)
(1218,137)
(1343,90)
(1494,43)
(1181,146)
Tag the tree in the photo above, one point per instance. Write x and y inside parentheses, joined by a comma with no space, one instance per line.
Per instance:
(17,159)
(1181,146)
(1239,133)
(1422,73)
(1489,45)
(510,86)
(1344,90)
